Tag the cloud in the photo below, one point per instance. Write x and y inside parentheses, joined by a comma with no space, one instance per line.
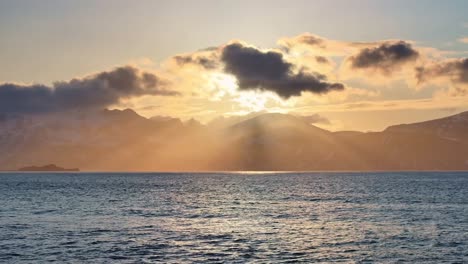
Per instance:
(97,91)
(463,40)
(268,71)
(360,105)
(310,43)
(321,59)
(456,70)
(205,62)
(453,70)
(385,58)
(316,119)
(312,40)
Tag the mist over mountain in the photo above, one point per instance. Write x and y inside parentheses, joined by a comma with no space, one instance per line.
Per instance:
(123,140)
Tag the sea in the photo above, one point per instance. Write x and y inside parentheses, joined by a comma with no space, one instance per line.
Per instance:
(238,217)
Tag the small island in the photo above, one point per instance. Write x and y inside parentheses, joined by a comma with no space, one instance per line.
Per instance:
(49,167)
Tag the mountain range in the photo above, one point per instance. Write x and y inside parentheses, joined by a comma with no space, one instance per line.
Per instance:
(122,140)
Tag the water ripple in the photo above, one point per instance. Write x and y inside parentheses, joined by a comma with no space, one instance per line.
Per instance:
(234,218)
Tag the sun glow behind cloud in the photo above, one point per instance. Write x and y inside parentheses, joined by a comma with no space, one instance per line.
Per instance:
(223,85)
(211,85)
(303,74)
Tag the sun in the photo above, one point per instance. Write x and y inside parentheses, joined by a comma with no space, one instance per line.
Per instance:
(251,101)
(225,87)
(225,82)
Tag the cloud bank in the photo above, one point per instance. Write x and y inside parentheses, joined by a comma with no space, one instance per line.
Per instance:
(230,78)
(98,91)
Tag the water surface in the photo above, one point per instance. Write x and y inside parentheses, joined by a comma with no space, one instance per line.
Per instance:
(234,217)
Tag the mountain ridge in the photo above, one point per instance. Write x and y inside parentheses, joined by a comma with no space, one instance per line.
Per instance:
(124,140)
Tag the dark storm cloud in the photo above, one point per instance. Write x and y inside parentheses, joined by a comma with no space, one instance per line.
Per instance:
(98,91)
(268,71)
(385,57)
(205,62)
(455,70)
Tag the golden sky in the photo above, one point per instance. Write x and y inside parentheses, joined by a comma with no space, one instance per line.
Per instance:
(391,71)
(378,83)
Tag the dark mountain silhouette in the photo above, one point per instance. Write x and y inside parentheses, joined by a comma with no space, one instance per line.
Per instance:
(124,140)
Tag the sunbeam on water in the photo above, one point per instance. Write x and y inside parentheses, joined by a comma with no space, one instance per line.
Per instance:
(234,217)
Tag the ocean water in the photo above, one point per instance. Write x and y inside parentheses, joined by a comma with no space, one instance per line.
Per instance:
(234,217)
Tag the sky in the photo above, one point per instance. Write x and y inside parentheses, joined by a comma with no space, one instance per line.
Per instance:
(364,65)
